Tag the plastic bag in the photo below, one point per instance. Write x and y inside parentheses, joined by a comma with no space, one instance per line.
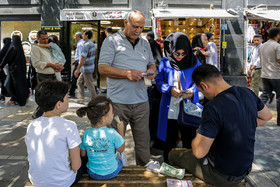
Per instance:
(123,157)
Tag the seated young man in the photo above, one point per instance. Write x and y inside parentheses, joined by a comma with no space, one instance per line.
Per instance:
(52,141)
(223,149)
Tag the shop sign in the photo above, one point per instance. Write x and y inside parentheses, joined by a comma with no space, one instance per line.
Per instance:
(224,27)
(224,45)
(78,15)
(159,28)
(52,28)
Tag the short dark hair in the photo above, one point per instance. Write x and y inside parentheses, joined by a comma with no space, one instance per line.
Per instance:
(79,34)
(49,92)
(258,36)
(151,34)
(54,39)
(109,30)
(41,32)
(88,33)
(273,32)
(96,108)
(205,72)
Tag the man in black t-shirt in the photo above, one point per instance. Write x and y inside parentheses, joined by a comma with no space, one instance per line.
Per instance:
(223,149)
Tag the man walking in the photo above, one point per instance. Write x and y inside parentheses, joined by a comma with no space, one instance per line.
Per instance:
(42,62)
(270,62)
(223,149)
(86,68)
(80,42)
(124,57)
(255,67)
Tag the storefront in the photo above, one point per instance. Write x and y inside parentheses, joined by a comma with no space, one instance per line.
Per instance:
(190,22)
(96,20)
(259,21)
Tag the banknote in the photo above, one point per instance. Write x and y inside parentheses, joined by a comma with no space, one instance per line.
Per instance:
(171,171)
(179,183)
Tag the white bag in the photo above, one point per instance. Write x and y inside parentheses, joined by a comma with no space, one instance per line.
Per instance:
(122,156)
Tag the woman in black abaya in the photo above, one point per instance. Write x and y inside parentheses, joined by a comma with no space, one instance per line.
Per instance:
(16,82)
(7,42)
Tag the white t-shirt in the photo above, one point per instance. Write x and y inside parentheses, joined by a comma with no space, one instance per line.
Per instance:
(48,140)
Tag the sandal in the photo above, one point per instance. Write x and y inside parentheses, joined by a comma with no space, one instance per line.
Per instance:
(10,103)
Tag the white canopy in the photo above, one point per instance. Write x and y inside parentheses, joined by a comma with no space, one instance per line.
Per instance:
(191,13)
(273,15)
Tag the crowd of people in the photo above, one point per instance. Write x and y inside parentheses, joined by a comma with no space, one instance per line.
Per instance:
(220,151)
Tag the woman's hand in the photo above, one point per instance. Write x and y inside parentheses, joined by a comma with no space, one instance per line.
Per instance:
(175,92)
(188,94)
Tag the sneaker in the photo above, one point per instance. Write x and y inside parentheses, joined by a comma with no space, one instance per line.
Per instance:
(271,98)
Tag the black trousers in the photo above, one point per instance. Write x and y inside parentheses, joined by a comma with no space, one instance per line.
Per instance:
(74,79)
(173,128)
(270,85)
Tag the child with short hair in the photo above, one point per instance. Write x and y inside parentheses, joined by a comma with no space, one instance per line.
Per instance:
(99,141)
(52,141)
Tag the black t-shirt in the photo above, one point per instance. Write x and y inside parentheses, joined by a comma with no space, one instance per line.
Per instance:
(231,119)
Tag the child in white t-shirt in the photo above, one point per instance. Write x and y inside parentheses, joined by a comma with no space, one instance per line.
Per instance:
(99,141)
(52,141)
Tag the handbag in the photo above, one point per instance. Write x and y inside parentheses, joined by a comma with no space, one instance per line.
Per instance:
(189,114)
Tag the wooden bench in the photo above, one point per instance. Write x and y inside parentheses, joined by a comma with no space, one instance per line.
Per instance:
(135,176)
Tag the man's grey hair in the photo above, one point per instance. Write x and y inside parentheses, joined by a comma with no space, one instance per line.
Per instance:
(133,13)
(79,34)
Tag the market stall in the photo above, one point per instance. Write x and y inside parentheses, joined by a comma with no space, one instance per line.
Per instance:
(189,21)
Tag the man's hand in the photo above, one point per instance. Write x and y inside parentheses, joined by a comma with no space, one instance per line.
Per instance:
(77,72)
(134,75)
(150,76)
(58,67)
(175,92)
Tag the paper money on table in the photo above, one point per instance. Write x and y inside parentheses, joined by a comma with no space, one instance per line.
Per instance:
(171,171)
(179,183)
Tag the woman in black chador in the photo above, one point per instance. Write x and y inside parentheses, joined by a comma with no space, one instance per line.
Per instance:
(16,83)
(7,42)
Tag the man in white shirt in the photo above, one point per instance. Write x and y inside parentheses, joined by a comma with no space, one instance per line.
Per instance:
(255,67)
(80,42)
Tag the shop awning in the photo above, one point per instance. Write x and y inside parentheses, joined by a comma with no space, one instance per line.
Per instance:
(273,15)
(192,13)
(92,14)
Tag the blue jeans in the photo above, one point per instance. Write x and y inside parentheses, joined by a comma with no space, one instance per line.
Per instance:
(109,176)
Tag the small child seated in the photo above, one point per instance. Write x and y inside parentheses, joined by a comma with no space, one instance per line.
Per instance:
(52,141)
(99,142)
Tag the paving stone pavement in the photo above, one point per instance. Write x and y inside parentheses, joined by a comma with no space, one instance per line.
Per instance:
(13,156)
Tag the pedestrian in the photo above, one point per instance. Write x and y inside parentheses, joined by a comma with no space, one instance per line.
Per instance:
(7,42)
(56,53)
(99,141)
(16,83)
(108,31)
(52,141)
(174,76)
(199,45)
(80,42)
(124,57)
(42,62)
(154,95)
(270,63)
(255,66)
(223,149)
(212,58)
(85,68)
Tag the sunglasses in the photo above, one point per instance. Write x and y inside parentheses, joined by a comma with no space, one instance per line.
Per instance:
(178,54)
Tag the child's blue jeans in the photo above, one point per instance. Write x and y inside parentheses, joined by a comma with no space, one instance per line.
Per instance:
(109,176)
